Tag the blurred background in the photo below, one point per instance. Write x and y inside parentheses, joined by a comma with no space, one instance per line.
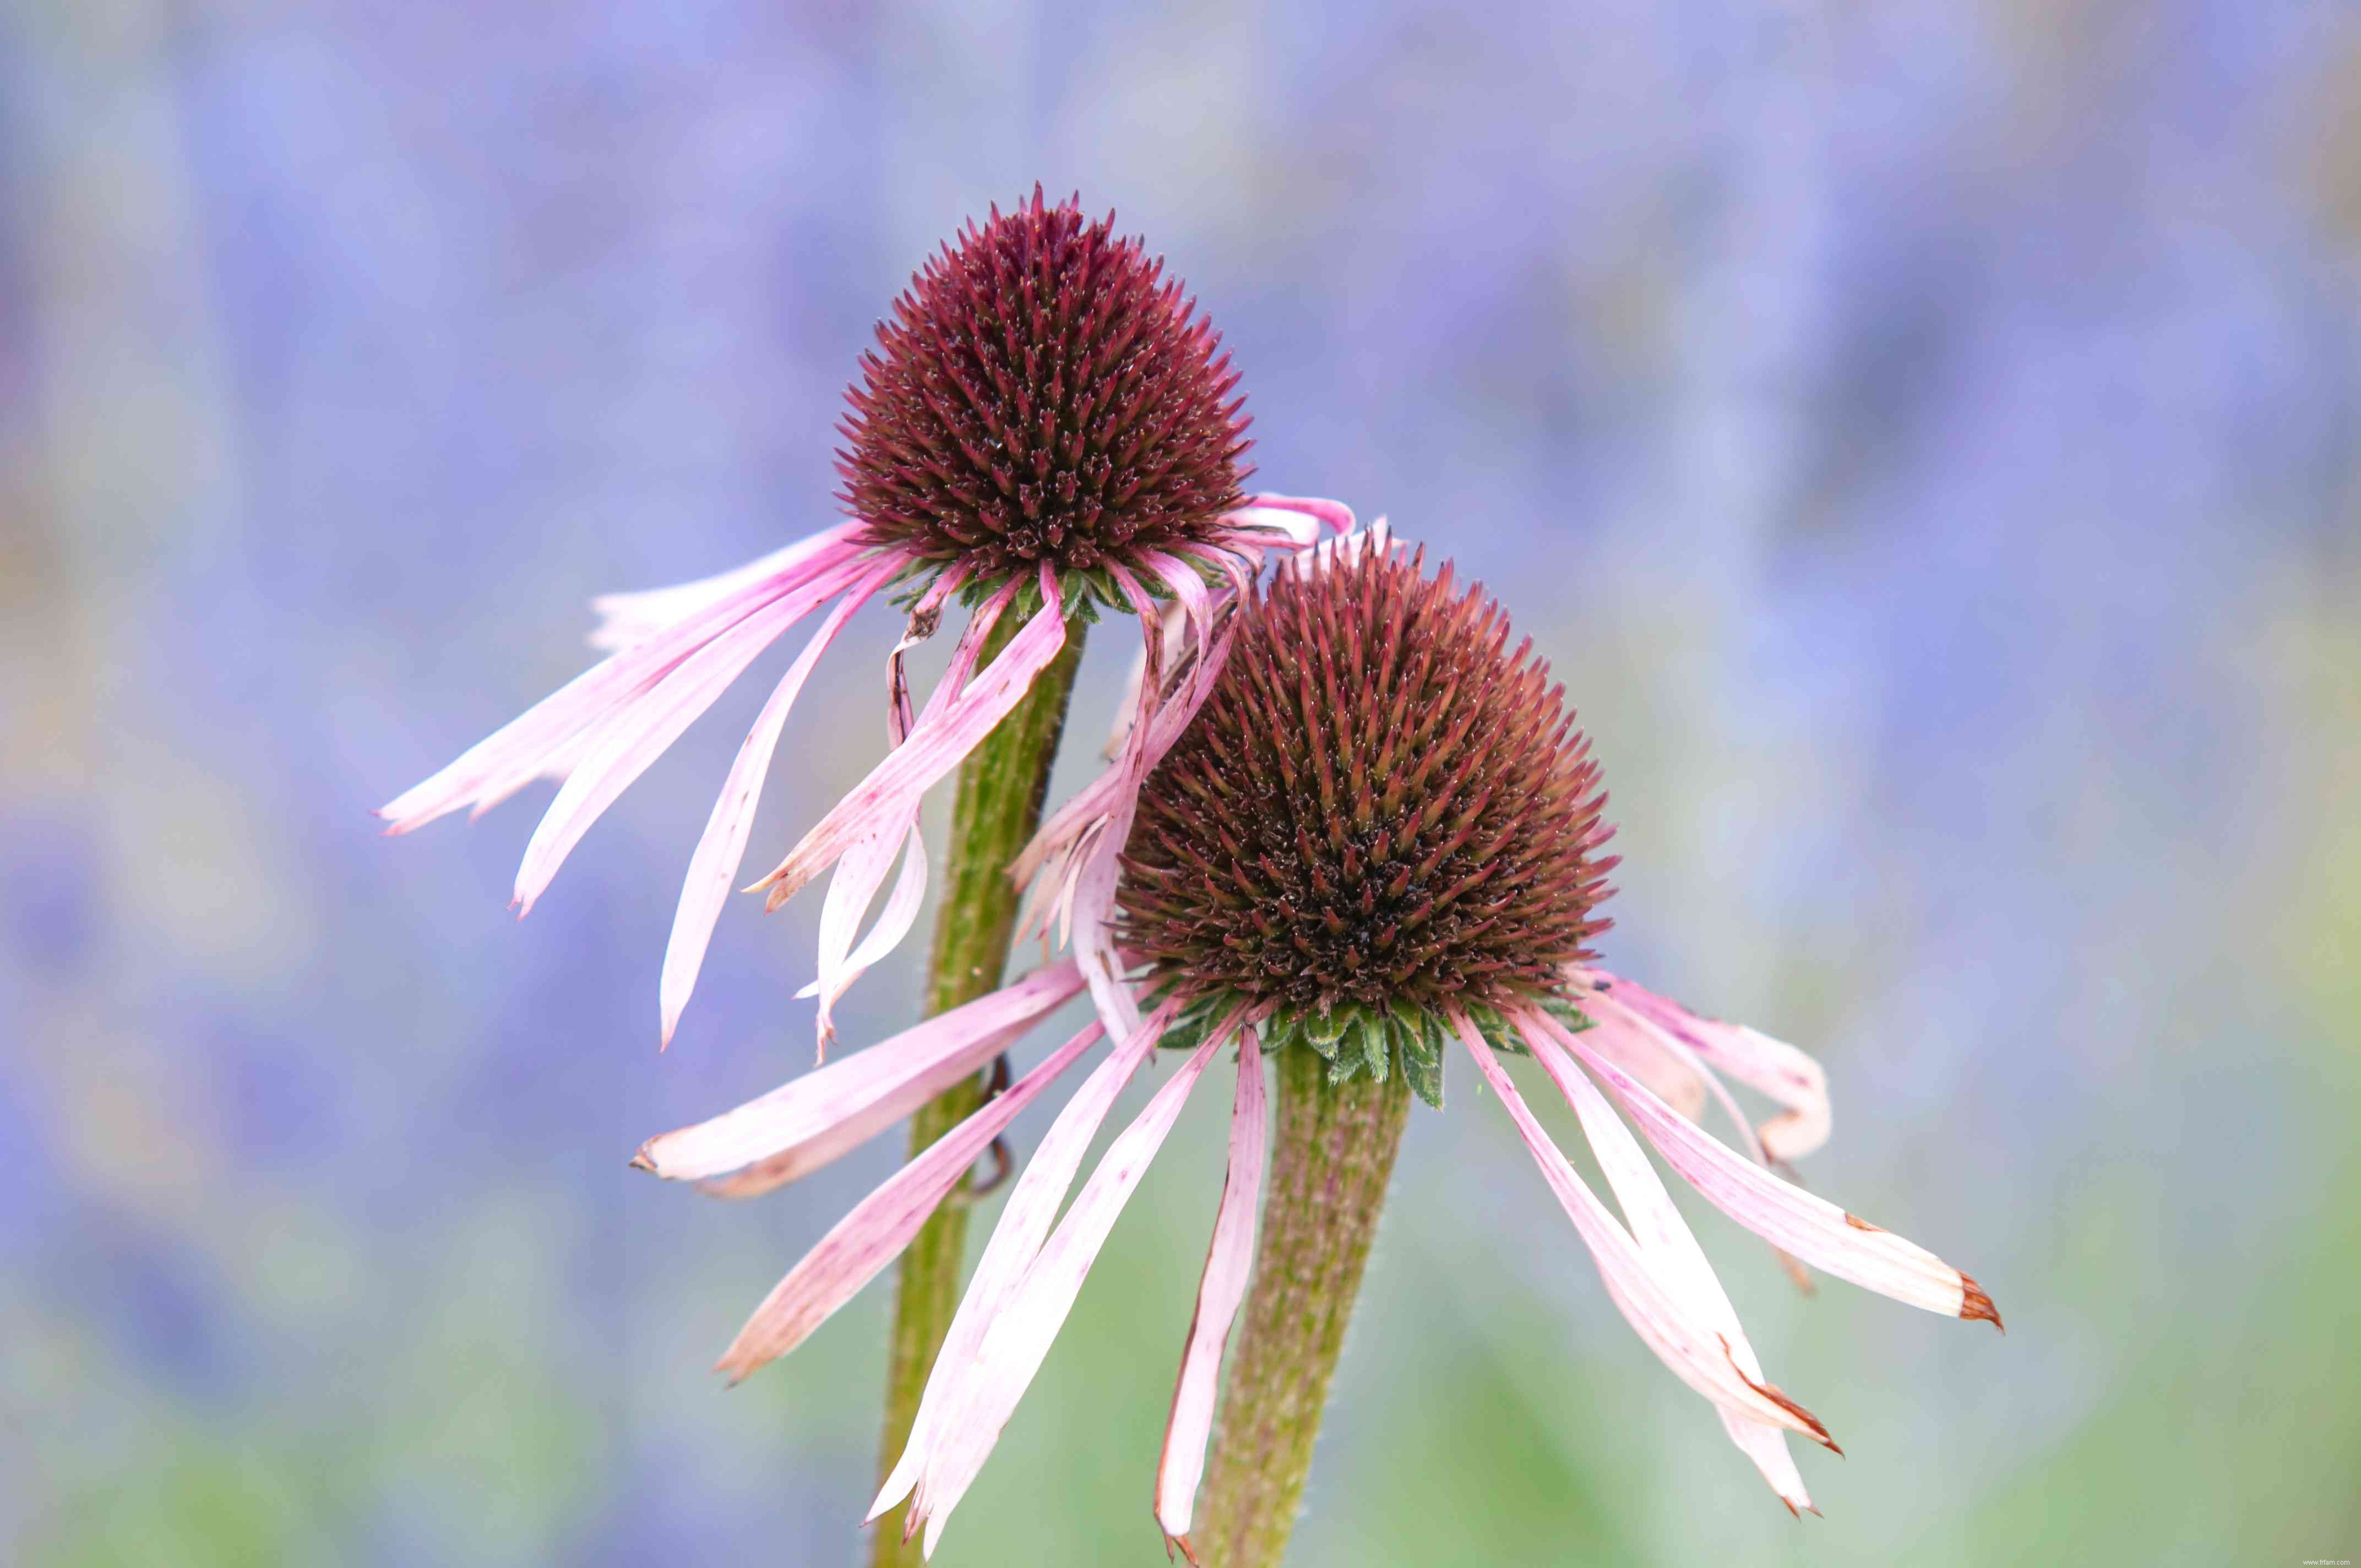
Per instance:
(1923,435)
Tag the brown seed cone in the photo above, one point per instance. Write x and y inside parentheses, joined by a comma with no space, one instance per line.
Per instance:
(1379,805)
(1042,393)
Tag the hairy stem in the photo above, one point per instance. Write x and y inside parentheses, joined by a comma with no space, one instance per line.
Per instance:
(997,808)
(1332,1154)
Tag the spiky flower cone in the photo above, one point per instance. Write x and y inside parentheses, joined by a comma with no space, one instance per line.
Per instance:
(1044,394)
(1381,814)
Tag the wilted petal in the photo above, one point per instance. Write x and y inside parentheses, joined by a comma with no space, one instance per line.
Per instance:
(713,866)
(1170,620)
(1336,515)
(1786,1215)
(1670,1248)
(1016,1242)
(1775,1067)
(1696,1354)
(879,1084)
(625,618)
(941,739)
(1219,1292)
(520,749)
(1020,1336)
(1671,1072)
(634,736)
(877,1230)
(849,892)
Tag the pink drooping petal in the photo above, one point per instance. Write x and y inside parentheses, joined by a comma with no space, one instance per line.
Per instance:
(941,739)
(1753,1058)
(1669,1248)
(853,886)
(877,1230)
(1781,1213)
(862,869)
(800,1159)
(1180,577)
(820,568)
(1695,1352)
(1616,1027)
(1019,1338)
(1636,1035)
(1170,618)
(631,738)
(903,1072)
(1091,905)
(1336,515)
(1016,1242)
(625,618)
(713,866)
(838,969)
(520,749)
(1219,1292)
(1080,818)
(1670,1070)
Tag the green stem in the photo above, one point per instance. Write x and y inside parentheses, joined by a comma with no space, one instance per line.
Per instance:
(1332,1154)
(997,808)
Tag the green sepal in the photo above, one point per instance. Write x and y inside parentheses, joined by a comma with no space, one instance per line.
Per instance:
(1420,1049)
(1369,1036)
(1323,1031)
(1357,1039)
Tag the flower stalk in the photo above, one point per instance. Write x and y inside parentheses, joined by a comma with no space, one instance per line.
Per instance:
(1332,1156)
(995,810)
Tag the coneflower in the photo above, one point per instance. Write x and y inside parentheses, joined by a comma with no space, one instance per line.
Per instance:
(1379,836)
(1046,427)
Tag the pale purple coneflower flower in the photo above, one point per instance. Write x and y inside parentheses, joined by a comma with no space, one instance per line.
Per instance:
(1046,427)
(1381,833)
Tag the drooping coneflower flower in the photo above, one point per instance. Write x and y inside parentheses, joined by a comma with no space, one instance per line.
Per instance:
(1047,426)
(1380,834)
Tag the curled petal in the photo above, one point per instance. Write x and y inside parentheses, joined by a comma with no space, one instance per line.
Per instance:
(849,892)
(1335,515)
(874,1086)
(1669,1069)
(1775,1067)
(877,1230)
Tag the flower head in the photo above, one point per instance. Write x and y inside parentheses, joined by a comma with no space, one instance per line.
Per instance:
(1382,812)
(1045,428)
(1379,839)
(1044,394)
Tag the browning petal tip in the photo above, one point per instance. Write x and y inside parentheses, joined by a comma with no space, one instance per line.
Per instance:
(1974,1303)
